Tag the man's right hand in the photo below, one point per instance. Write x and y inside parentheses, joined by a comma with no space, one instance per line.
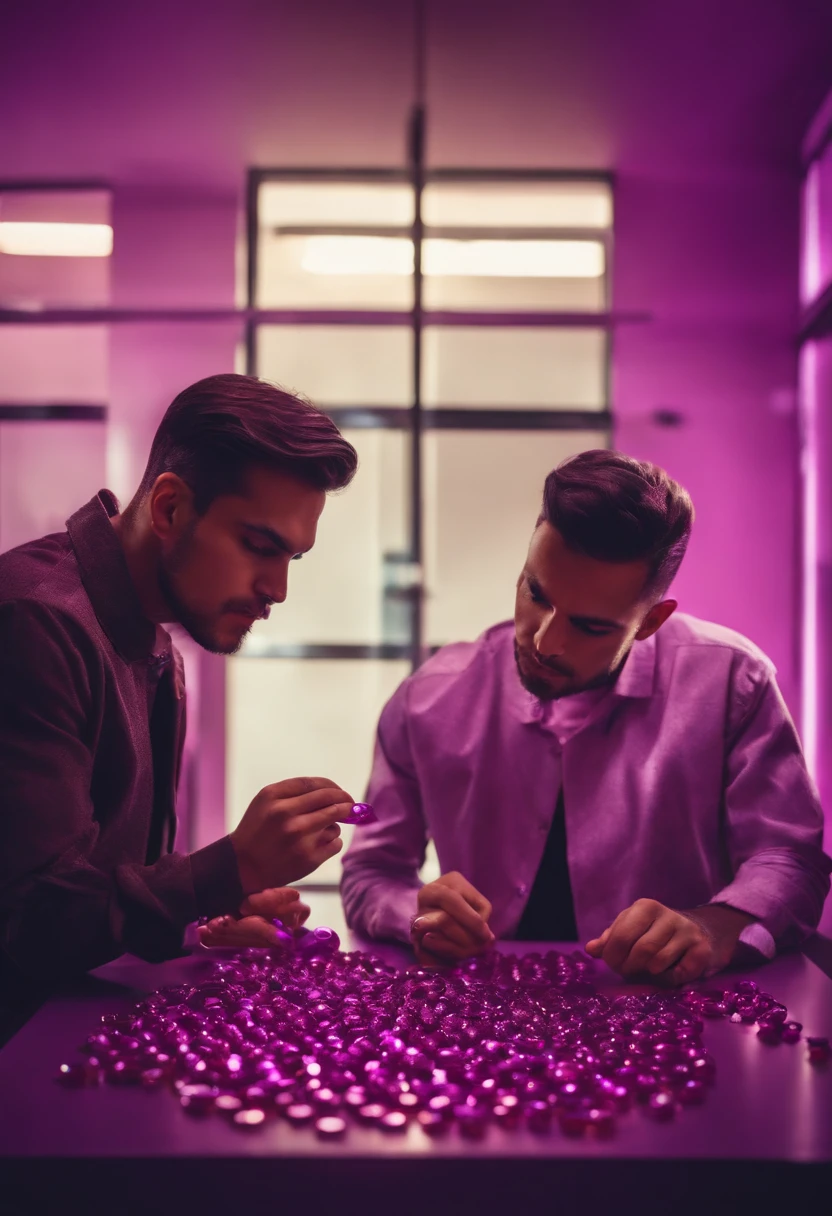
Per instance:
(289,830)
(451,923)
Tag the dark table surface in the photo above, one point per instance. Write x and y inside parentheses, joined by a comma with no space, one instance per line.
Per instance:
(769,1106)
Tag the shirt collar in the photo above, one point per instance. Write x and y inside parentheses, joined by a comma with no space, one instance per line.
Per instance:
(638,675)
(636,679)
(107,580)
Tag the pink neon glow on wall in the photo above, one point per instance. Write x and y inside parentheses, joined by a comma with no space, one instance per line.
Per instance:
(809,623)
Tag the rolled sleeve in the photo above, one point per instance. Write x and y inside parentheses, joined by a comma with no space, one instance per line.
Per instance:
(774,823)
(380,882)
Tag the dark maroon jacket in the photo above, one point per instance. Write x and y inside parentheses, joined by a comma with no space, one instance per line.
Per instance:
(92,723)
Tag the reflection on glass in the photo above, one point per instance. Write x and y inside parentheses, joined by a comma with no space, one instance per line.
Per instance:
(483,492)
(339,364)
(531,368)
(336,591)
(291,718)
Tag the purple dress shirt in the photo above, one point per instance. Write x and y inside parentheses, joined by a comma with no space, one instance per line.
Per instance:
(683,782)
(92,721)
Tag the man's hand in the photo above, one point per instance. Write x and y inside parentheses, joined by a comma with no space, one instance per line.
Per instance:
(648,939)
(254,925)
(452,922)
(289,830)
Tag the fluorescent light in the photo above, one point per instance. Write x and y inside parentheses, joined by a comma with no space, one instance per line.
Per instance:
(810,277)
(284,203)
(515,259)
(358,255)
(530,205)
(47,240)
(811,551)
(371,255)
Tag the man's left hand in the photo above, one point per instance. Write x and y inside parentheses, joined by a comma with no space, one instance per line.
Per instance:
(253,926)
(672,948)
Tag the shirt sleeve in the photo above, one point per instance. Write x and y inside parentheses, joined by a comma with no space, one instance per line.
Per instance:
(380,880)
(60,913)
(773,820)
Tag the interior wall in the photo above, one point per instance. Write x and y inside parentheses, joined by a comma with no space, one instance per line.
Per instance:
(170,104)
(714,264)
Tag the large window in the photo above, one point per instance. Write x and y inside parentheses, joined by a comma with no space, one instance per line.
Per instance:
(458,333)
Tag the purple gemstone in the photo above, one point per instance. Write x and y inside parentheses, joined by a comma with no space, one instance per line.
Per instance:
(331,1127)
(197,1099)
(573,1122)
(317,941)
(432,1122)
(538,1115)
(362,813)
(791,1032)
(72,1076)
(249,1119)
(819,1050)
(692,1093)
(314,1034)
(660,1106)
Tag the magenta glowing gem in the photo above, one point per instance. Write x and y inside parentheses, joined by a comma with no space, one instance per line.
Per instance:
(362,813)
(328,1038)
(249,1119)
(317,941)
(820,1051)
(331,1127)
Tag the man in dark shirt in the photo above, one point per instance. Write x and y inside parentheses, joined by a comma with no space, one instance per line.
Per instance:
(92,699)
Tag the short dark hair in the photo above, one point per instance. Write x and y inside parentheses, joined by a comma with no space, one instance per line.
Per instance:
(616,509)
(216,430)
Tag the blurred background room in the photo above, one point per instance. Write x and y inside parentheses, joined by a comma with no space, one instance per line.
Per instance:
(483,237)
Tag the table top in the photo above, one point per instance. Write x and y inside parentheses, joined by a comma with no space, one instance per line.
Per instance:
(768,1102)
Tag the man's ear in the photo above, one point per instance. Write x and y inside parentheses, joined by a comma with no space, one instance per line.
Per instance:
(655,618)
(170,505)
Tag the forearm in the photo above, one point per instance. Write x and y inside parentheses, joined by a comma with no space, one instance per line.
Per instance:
(723,925)
(74,916)
(378,903)
(782,888)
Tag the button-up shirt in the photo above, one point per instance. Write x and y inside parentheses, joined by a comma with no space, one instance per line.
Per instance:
(683,782)
(92,721)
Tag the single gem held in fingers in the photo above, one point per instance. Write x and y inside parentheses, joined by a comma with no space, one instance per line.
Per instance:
(361,814)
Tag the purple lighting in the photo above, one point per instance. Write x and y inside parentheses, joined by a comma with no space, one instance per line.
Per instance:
(809,631)
(501,1040)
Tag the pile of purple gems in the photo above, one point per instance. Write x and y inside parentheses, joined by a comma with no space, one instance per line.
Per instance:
(314,1036)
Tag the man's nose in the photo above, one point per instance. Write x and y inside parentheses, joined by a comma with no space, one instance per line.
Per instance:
(550,638)
(275,585)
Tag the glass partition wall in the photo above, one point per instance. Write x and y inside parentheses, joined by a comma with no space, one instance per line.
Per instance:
(457,328)
(55,243)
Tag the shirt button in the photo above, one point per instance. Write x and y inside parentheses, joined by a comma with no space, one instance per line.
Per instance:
(522,888)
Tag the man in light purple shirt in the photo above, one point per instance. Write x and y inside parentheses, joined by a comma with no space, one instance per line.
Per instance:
(601,769)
